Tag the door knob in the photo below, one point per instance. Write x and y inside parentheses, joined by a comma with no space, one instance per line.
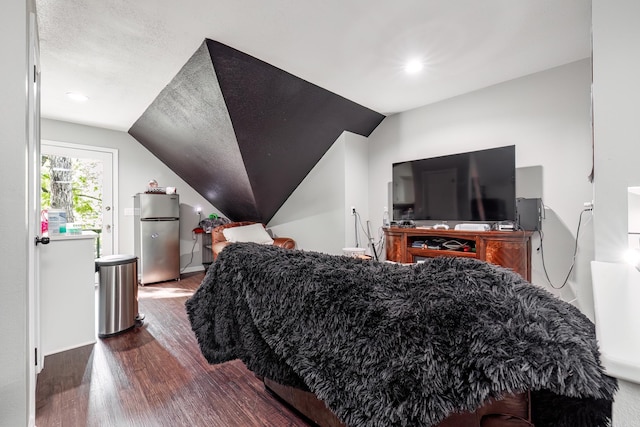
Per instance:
(43,240)
(107,208)
(108,227)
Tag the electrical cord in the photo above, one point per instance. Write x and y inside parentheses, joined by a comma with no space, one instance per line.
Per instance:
(359,222)
(453,244)
(355,225)
(377,246)
(380,244)
(573,261)
(192,249)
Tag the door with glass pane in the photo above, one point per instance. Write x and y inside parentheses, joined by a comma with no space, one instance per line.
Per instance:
(79,180)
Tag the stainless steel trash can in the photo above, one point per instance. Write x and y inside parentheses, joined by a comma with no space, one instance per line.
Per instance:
(117,293)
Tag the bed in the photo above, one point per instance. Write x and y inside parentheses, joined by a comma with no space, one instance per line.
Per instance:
(381,344)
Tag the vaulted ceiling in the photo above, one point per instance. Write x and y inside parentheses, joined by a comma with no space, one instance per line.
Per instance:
(242,132)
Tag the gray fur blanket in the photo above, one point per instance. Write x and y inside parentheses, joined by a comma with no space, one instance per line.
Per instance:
(392,345)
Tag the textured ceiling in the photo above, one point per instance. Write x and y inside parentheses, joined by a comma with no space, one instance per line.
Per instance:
(122,53)
(242,132)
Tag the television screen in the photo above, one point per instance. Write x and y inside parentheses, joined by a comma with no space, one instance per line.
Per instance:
(473,186)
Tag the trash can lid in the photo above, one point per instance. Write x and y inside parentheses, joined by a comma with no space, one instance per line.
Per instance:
(115,260)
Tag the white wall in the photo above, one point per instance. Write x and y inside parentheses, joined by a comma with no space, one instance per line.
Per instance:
(547,117)
(616,90)
(356,172)
(136,167)
(13,211)
(317,214)
(314,214)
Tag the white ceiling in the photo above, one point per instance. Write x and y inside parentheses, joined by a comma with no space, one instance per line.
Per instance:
(122,53)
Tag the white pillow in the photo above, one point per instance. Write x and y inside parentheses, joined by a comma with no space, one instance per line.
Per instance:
(248,233)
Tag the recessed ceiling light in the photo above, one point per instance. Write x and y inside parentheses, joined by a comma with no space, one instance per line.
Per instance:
(77,96)
(413,66)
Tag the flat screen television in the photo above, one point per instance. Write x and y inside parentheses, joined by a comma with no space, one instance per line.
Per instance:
(472,186)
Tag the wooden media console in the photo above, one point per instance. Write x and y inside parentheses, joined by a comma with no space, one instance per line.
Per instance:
(510,249)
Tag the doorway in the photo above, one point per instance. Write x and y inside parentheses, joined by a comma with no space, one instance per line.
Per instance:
(82,181)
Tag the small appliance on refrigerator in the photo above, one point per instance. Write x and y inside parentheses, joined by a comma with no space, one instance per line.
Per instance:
(157,237)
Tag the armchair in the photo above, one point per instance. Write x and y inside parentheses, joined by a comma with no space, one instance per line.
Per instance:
(219,240)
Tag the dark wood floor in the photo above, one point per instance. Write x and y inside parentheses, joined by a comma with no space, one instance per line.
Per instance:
(154,376)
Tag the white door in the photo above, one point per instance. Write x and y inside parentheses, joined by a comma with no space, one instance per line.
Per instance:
(33,229)
(106,160)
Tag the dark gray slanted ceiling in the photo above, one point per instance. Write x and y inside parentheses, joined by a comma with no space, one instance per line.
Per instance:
(244,133)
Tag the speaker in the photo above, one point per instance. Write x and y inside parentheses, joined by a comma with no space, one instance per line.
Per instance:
(529,212)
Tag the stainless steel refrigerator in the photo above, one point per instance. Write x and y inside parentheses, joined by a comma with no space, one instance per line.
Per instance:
(157,237)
